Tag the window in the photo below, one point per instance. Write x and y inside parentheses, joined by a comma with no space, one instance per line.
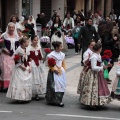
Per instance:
(26,7)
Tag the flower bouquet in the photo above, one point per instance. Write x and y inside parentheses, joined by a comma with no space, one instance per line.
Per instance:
(17,58)
(47,51)
(1,42)
(26,32)
(51,62)
(106,59)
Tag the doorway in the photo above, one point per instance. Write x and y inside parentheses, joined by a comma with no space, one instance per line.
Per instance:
(46,8)
(26,7)
(70,6)
(116,6)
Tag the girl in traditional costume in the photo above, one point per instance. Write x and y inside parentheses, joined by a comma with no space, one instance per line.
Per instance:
(39,76)
(21,80)
(95,91)
(11,43)
(56,82)
(86,57)
(116,85)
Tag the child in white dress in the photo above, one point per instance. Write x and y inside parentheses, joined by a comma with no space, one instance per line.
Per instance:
(56,82)
(39,76)
(20,87)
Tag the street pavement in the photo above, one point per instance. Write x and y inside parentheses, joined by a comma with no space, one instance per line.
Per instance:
(38,110)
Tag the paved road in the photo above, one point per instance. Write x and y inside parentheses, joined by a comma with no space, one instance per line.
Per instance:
(38,110)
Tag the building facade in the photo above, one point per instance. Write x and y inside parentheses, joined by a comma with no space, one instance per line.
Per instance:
(18,8)
(34,7)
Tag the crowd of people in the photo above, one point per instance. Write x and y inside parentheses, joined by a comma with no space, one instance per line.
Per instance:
(22,62)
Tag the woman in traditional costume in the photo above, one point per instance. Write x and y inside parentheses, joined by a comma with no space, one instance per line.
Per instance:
(95,91)
(56,33)
(15,20)
(39,76)
(56,82)
(20,87)
(11,43)
(21,24)
(32,22)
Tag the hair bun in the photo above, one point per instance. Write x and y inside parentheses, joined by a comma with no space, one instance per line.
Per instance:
(56,44)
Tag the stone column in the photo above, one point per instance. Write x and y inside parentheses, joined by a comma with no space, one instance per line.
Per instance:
(19,8)
(79,4)
(108,7)
(102,6)
(92,6)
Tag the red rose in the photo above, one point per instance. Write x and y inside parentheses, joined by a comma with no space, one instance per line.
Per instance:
(47,50)
(51,62)
(108,53)
(17,58)
(26,30)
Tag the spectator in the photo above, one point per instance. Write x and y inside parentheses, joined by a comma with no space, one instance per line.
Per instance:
(54,15)
(87,33)
(15,20)
(68,22)
(75,34)
(96,20)
(115,29)
(113,16)
(38,20)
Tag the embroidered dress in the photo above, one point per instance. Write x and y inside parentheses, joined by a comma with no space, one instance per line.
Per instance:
(20,87)
(60,39)
(56,83)
(86,56)
(116,85)
(39,76)
(6,61)
(95,91)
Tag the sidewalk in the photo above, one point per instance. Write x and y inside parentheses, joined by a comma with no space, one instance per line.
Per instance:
(73,72)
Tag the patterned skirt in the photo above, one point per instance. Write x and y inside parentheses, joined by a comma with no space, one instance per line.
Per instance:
(95,91)
(52,97)
(80,84)
(116,88)
(6,66)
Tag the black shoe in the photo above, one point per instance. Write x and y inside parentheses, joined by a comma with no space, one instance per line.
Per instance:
(37,98)
(112,95)
(108,80)
(61,104)
(82,64)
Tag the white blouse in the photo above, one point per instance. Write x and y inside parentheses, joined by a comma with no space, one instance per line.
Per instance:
(86,54)
(58,56)
(94,59)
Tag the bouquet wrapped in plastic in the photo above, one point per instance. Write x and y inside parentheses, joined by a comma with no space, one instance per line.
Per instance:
(106,59)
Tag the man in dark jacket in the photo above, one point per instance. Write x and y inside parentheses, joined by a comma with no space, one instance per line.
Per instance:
(87,33)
